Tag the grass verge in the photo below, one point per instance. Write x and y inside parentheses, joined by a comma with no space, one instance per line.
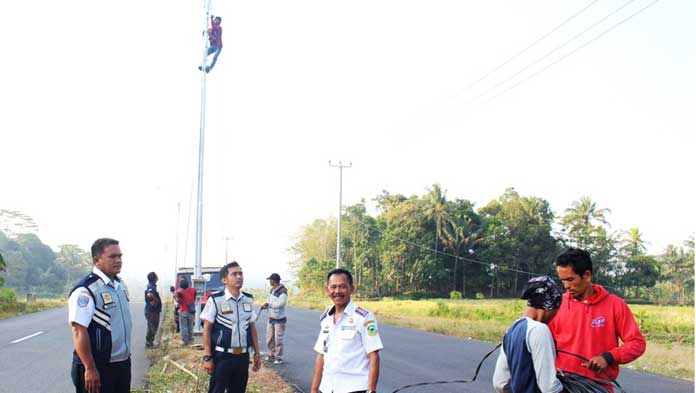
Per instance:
(24,307)
(165,377)
(669,331)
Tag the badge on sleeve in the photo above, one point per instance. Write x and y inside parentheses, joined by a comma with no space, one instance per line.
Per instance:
(247,307)
(372,329)
(83,300)
(226,309)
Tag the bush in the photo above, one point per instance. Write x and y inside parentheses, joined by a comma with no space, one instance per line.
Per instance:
(455,295)
(8,299)
(480,296)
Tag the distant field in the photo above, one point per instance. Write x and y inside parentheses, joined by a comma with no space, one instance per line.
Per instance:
(668,330)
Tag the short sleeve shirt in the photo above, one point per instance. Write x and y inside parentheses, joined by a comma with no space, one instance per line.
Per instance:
(81,306)
(345,346)
(210,312)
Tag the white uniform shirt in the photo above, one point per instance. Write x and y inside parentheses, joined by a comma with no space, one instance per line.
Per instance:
(210,312)
(80,303)
(345,346)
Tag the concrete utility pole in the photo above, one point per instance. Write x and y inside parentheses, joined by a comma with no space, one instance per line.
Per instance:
(197,277)
(340,167)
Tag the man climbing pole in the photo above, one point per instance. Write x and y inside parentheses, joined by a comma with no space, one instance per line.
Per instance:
(215,38)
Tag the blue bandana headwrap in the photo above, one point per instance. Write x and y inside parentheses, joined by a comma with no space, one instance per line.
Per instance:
(542,293)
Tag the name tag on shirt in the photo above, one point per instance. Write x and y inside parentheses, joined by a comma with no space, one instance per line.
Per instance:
(247,307)
(226,309)
(348,327)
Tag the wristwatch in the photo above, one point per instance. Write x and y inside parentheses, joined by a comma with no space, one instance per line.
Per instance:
(207,358)
(257,354)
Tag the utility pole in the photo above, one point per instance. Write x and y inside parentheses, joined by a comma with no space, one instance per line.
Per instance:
(340,167)
(197,277)
(227,242)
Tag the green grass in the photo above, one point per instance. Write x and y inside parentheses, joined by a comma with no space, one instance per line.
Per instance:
(23,307)
(669,331)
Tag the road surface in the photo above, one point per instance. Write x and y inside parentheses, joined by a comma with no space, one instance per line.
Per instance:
(412,356)
(36,351)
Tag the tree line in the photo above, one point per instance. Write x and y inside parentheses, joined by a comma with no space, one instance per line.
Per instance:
(29,266)
(432,246)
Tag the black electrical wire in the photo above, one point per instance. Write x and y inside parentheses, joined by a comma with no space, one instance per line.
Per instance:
(448,382)
(576,383)
(588,380)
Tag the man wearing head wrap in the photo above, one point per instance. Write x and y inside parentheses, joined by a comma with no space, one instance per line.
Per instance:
(526,363)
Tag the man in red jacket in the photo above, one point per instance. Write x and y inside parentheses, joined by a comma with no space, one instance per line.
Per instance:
(591,321)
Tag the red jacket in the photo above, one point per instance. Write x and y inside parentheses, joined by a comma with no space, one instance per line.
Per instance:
(215,33)
(593,326)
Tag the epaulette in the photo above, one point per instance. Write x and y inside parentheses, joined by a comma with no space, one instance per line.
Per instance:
(217,294)
(85,283)
(325,313)
(361,311)
(248,294)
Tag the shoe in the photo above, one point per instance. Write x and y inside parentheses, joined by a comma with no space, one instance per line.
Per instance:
(278,361)
(207,69)
(148,345)
(199,69)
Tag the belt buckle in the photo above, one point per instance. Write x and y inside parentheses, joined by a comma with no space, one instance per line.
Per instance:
(236,350)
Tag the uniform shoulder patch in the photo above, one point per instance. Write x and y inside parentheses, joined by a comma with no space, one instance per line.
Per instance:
(361,311)
(83,300)
(325,313)
(248,294)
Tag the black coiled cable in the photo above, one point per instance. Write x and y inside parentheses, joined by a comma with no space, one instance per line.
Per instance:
(457,381)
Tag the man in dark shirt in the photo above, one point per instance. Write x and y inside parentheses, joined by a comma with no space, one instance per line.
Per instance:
(153,308)
(215,39)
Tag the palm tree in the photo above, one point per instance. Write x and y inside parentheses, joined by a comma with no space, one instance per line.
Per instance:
(580,219)
(436,210)
(633,243)
(584,212)
(460,236)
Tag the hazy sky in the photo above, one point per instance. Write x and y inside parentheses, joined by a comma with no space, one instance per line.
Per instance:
(100,116)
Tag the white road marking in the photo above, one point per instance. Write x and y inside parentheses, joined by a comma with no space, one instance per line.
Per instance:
(25,338)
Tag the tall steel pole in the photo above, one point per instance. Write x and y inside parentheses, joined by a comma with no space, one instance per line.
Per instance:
(197,276)
(340,167)
(201,148)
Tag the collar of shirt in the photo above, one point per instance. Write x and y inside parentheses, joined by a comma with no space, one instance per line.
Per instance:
(228,295)
(349,310)
(106,278)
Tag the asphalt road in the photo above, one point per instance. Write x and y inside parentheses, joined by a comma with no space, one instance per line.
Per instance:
(411,356)
(41,363)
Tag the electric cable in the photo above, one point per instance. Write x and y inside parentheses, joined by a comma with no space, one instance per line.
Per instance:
(552,51)
(465,259)
(612,380)
(478,368)
(573,51)
(543,37)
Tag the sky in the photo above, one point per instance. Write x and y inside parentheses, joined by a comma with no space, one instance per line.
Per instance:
(101,108)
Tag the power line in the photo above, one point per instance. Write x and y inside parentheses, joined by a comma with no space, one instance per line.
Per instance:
(476,261)
(573,51)
(543,37)
(552,51)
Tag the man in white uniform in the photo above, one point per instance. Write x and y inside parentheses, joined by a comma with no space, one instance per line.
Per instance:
(348,344)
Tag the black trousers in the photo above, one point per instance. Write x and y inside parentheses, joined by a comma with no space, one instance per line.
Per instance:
(153,319)
(114,377)
(231,372)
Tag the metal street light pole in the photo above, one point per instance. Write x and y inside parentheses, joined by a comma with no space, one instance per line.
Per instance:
(340,167)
